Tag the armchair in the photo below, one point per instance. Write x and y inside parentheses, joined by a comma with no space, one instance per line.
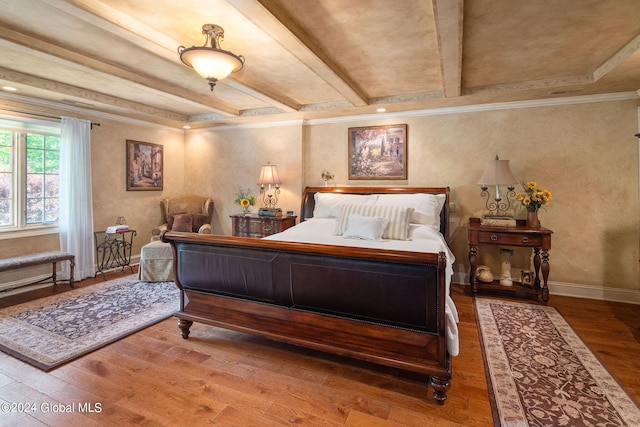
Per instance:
(185,213)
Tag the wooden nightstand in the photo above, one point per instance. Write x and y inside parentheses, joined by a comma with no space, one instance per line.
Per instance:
(520,236)
(259,226)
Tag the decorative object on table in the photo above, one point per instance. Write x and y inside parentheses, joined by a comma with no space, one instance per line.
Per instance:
(144,166)
(117,229)
(539,372)
(526,278)
(483,274)
(505,273)
(326,177)
(496,173)
(533,198)
(378,152)
(245,199)
(121,220)
(50,331)
(269,176)
(212,63)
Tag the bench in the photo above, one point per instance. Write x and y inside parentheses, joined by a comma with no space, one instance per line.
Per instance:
(31,260)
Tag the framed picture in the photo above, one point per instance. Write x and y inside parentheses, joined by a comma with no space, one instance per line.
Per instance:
(378,152)
(144,166)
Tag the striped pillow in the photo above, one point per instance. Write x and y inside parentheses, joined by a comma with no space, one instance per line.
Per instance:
(399,219)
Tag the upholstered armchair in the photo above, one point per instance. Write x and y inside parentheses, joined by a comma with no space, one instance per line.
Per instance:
(187,213)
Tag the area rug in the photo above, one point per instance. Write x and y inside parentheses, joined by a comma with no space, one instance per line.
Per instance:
(541,374)
(54,330)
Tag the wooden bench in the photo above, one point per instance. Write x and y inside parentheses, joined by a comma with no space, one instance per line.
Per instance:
(31,260)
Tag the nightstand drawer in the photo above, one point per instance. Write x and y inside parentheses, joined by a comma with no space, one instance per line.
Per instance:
(259,226)
(515,239)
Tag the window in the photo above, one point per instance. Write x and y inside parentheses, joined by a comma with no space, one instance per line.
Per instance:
(29,175)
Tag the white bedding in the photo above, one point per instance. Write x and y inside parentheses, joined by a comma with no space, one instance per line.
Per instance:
(423,239)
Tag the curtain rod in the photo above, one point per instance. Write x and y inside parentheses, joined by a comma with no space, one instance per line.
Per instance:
(48,116)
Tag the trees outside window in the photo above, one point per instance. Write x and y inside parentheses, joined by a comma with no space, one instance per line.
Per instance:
(29,179)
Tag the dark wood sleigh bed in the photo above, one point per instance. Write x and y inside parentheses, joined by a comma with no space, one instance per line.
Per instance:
(381,306)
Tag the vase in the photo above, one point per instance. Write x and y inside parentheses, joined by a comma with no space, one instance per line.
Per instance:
(533,223)
(245,209)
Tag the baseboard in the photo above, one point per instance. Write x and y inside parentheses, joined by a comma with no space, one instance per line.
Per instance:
(27,284)
(576,290)
(630,296)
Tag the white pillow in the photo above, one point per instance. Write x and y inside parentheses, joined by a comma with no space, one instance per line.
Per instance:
(329,205)
(427,207)
(365,227)
(399,219)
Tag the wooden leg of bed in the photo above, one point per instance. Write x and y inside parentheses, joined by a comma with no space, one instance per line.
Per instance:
(440,386)
(184,326)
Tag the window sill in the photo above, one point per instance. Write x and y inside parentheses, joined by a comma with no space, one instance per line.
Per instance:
(28,232)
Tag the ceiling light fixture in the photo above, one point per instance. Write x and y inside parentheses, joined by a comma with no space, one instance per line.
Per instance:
(9,88)
(212,63)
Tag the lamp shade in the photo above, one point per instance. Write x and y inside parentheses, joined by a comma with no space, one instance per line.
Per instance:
(497,172)
(269,175)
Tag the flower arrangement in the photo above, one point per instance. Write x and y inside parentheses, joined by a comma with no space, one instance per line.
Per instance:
(533,197)
(245,199)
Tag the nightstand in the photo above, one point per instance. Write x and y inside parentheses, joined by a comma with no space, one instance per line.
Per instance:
(252,225)
(520,236)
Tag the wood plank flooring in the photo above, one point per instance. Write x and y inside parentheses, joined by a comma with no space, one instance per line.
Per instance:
(218,377)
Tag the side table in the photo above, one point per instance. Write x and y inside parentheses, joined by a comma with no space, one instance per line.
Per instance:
(520,236)
(252,225)
(113,250)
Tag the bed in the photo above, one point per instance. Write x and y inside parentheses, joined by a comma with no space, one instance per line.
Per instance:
(365,274)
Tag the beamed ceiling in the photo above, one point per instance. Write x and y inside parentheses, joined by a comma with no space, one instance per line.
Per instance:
(309,59)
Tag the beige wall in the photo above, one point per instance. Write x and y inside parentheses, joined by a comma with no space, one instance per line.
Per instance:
(220,162)
(586,154)
(110,198)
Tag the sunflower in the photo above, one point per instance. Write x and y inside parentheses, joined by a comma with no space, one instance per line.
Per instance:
(533,197)
(245,202)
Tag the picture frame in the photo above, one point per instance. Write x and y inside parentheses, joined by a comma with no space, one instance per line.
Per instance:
(144,166)
(378,152)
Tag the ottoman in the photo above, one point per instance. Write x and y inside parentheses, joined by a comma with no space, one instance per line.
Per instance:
(156,262)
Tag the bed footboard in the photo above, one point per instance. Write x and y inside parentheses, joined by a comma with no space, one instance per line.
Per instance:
(385,307)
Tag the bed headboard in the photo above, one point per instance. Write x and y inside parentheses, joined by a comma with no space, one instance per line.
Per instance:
(308,200)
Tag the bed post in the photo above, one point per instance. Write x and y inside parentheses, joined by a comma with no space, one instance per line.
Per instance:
(440,387)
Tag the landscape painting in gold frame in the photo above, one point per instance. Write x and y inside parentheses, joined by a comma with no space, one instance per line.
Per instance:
(378,152)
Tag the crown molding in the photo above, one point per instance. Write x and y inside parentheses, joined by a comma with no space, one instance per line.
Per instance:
(547,102)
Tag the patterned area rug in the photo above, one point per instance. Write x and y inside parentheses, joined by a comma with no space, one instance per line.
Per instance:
(51,331)
(541,374)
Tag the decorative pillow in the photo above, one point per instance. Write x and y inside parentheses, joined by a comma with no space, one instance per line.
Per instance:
(365,227)
(427,207)
(198,221)
(171,217)
(399,219)
(329,205)
(182,222)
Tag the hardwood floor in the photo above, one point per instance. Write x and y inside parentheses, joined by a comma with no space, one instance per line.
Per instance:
(154,377)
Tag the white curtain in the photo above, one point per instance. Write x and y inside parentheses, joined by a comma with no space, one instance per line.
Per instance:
(76,203)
